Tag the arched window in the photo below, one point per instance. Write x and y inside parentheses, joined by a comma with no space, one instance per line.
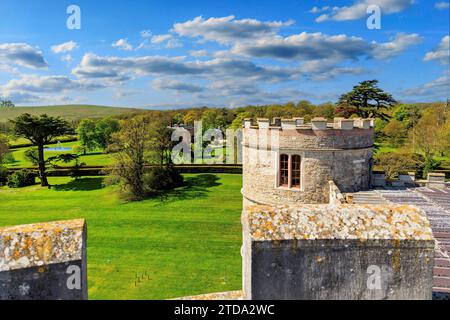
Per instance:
(296,165)
(290,171)
(284,170)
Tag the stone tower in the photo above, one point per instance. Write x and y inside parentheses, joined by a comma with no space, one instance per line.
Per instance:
(289,162)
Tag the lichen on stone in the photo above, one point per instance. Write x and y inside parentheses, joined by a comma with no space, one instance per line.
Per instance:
(397,222)
(40,244)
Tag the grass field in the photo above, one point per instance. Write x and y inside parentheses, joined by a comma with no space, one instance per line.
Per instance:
(188,242)
(93,158)
(68,112)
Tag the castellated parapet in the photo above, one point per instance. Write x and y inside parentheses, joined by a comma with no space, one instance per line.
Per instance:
(288,161)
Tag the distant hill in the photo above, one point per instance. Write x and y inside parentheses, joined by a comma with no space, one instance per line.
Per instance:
(68,112)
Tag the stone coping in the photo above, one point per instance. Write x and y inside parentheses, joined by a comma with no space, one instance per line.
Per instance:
(40,244)
(309,222)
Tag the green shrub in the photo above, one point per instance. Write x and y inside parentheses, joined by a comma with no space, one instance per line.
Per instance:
(163,178)
(8,158)
(22,178)
(3,175)
(402,162)
(32,156)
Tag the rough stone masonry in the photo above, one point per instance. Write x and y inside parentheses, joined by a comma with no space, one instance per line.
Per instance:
(337,252)
(44,261)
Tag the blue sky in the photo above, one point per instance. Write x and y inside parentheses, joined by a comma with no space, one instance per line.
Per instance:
(172,54)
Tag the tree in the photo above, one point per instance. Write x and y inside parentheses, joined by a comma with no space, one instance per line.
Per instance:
(395,132)
(96,133)
(104,130)
(428,138)
(161,143)
(190,117)
(130,145)
(87,135)
(408,114)
(40,130)
(239,120)
(177,118)
(4,148)
(6,104)
(367,100)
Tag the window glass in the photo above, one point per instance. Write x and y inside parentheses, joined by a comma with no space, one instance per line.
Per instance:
(284,170)
(296,164)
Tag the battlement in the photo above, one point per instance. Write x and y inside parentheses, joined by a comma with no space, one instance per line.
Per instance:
(316,124)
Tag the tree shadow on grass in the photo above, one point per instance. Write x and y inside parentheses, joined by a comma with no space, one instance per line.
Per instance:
(85,184)
(193,188)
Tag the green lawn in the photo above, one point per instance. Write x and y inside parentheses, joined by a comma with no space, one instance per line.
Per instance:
(188,242)
(94,158)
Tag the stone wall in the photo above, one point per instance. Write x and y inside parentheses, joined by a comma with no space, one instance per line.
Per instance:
(335,195)
(344,156)
(337,252)
(44,261)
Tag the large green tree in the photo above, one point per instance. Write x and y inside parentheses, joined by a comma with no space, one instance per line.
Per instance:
(366,100)
(40,130)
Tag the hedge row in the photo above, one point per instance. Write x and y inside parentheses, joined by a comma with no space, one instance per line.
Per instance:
(26,145)
(99,171)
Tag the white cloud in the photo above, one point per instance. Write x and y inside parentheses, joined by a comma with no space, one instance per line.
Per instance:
(441,53)
(198,53)
(161,38)
(358,9)
(227,29)
(442,5)
(67,58)
(51,84)
(22,54)
(395,47)
(318,46)
(168,39)
(64,47)
(178,86)
(121,69)
(146,33)
(122,44)
(437,89)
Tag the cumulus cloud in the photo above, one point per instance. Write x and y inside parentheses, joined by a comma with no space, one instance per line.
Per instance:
(178,86)
(122,44)
(227,29)
(64,47)
(22,54)
(168,39)
(120,69)
(441,53)
(199,53)
(395,47)
(316,46)
(51,84)
(442,5)
(161,38)
(437,89)
(358,9)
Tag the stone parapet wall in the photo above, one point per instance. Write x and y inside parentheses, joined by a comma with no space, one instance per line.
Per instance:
(337,252)
(43,261)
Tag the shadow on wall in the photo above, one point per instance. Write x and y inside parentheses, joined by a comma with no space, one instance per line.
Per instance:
(194,188)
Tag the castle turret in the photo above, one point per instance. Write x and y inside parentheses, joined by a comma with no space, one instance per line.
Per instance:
(287,161)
